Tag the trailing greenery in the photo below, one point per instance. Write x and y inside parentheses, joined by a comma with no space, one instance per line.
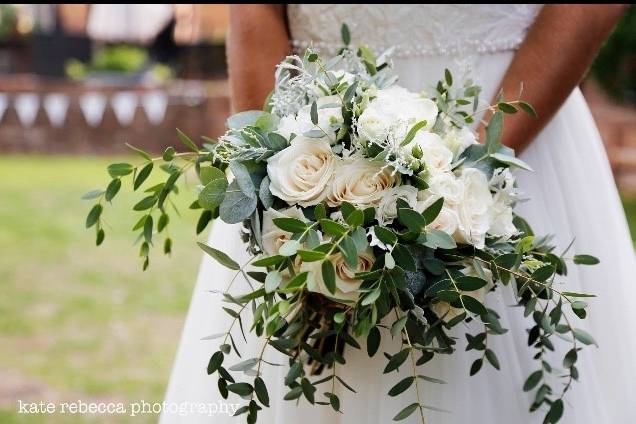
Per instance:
(393,259)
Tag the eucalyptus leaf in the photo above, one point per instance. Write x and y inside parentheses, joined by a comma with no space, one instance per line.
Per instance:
(237,206)
(494,131)
(272,281)
(220,257)
(511,161)
(406,412)
(187,141)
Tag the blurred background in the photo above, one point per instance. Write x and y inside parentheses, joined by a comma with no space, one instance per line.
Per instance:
(77,81)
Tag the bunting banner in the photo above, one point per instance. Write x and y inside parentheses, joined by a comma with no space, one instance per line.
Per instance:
(27,105)
(155,104)
(4,104)
(124,105)
(56,106)
(93,106)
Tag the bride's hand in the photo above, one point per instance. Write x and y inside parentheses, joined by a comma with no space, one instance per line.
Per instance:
(551,62)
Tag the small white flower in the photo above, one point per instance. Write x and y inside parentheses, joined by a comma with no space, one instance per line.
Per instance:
(375,241)
(503,182)
(501,217)
(288,125)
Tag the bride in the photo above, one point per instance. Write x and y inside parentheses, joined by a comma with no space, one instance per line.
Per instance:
(572,192)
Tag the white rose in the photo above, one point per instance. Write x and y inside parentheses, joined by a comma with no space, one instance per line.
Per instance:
(347,287)
(501,224)
(436,156)
(458,140)
(393,112)
(272,236)
(329,113)
(473,210)
(373,125)
(406,105)
(300,174)
(448,186)
(361,182)
(387,208)
(447,221)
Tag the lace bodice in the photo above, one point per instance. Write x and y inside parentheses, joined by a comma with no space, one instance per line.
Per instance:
(415,29)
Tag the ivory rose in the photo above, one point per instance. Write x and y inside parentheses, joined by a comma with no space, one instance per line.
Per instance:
(346,285)
(272,236)
(474,208)
(301,173)
(361,182)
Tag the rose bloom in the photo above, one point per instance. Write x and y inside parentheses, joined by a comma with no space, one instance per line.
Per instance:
(446,312)
(474,208)
(373,125)
(437,157)
(361,182)
(386,211)
(394,110)
(447,220)
(300,174)
(448,186)
(272,236)
(347,288)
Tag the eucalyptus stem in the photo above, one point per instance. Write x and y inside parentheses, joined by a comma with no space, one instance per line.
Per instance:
(414,367)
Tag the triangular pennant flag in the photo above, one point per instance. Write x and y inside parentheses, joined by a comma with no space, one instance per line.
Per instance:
(93,106)
(27,105)
(56,106)
(155,103)
(124,104)
(4,103)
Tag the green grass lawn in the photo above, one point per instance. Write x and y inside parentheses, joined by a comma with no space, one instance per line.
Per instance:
(78,322)
(630,209)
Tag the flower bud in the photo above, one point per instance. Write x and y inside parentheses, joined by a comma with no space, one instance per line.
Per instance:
(417,152)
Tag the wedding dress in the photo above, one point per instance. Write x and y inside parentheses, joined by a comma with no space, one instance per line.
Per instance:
(572,194)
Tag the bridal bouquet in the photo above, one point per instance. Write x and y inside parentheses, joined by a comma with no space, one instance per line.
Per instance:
(370,211)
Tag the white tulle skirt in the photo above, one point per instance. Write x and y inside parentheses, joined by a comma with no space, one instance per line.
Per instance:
(573,196)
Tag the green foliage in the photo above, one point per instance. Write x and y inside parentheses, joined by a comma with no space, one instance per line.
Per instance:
(405,275)
(614,65)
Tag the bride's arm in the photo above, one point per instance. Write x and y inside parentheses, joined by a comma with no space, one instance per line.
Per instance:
(557,52)
(257,42)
